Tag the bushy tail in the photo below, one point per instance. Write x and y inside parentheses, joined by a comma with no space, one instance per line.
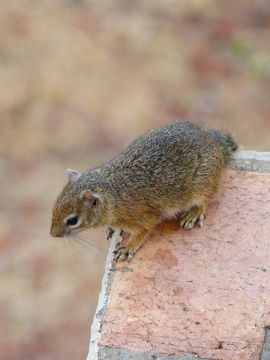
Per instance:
(227,143)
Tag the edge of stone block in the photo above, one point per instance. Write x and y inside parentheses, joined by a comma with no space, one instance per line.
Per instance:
(265,354)
(251,161)
(125,354)
(243,160)
(102,301)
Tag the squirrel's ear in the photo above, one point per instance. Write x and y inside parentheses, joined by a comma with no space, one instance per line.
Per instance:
(72,175)
(91,199)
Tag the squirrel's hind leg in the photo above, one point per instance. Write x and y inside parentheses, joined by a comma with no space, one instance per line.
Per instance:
(195,215)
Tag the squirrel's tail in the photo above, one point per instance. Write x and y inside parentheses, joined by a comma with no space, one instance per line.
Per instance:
(227,143)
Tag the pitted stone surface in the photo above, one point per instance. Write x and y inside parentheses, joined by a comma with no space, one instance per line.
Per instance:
(206,291)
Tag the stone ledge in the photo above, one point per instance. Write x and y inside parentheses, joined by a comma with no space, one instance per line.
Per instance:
(265,354)
(108,353)
(123,327)
(251,161)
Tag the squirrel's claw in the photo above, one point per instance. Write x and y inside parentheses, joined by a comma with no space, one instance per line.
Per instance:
(200,220)
(190,219)
(122,253)
(109,233)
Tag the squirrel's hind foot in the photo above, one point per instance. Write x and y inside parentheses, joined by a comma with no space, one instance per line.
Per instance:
(193,216)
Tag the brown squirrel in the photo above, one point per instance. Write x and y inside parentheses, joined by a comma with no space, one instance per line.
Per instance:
(164,173)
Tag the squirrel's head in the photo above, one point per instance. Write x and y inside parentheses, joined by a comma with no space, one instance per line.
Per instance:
(76,208)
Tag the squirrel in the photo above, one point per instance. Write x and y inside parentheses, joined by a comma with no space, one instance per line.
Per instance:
(165,173)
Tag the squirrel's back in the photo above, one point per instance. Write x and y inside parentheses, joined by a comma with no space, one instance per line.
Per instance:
(175,139)
(174,160)
(177,146)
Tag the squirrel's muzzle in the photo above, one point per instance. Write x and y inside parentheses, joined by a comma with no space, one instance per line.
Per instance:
(57,231)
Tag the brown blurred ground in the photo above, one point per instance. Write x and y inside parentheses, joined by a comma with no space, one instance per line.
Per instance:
(79,80)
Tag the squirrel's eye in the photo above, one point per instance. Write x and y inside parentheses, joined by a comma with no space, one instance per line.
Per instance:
(72,220)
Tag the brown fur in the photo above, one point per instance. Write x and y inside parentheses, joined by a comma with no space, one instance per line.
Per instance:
(167,171)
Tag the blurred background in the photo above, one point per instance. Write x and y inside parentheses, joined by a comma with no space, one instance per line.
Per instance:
(78,81)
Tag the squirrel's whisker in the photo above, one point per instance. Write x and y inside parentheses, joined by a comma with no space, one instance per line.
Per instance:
(85,243)
(81,243)
(90,242)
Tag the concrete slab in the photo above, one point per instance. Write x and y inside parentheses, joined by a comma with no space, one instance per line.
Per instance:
(203,294)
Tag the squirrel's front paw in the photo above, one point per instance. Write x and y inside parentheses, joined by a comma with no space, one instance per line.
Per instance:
(110,232)
(123,253)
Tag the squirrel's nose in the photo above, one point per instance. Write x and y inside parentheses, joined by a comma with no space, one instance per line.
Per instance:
(57,231)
